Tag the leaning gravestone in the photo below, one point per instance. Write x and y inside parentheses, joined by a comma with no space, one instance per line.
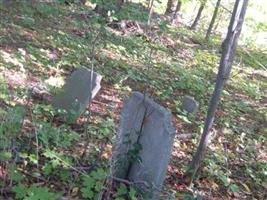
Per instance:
(77,93)
(189,104)
(144,142)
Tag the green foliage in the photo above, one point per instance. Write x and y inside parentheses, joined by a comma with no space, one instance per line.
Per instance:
(27,22)
(10,125)
(104,129)
(254,57)
(57,158)
(48,40)
(50,136)
(133,11)
(46,111)
(46,10)
(93,183)
(15,175)
(3,88)
(124,192)
(34,193)
(5,156)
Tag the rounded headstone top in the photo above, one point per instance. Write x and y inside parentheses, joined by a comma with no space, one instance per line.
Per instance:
(189,104)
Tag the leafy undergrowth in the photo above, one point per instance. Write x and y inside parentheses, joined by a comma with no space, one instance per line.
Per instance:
(43,158)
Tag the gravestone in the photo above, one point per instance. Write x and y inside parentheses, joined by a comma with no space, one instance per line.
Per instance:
(77,93)
(144,143)
(189,104)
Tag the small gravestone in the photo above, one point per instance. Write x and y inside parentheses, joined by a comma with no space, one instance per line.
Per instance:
(144,143)
(79,89)
(189,104)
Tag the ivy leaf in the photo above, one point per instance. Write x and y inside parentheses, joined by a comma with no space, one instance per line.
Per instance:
(98,186)
(122,190)
(99,174)
(16,176)
(48,168)
(132,193)
(20,191)
(88,182)
(34,193)
(5,156)
(234,188)
(87,193)
(41,193)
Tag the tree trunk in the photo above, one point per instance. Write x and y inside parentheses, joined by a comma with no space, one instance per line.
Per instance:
(219,17)
(170,7)
(228,51)
(202,6)
(177,9)
(120,4)
(214,16)
(151,3)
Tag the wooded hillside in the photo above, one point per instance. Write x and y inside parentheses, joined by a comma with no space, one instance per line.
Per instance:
(72,125)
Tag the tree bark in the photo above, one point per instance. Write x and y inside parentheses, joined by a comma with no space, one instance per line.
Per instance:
(170,7)
(228,51)
(201,8)
(151,4)
(177,9)
(120,4)
(214,16)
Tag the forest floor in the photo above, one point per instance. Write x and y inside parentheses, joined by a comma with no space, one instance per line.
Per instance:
(43,158)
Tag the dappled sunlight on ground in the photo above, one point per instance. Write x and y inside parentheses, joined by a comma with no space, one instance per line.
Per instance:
(43,47)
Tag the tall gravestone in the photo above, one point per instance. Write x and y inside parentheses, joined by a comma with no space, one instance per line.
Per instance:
(144,142)
(79,89)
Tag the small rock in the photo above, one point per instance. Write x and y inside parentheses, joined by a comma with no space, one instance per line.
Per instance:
(40,92)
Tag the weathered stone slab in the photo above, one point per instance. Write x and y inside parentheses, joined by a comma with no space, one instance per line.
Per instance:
(144,143)
(131,119)
(189,104)
(77,93)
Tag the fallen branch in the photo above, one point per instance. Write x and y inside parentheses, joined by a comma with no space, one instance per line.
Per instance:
(259,63)
(127,182)
(184,137)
